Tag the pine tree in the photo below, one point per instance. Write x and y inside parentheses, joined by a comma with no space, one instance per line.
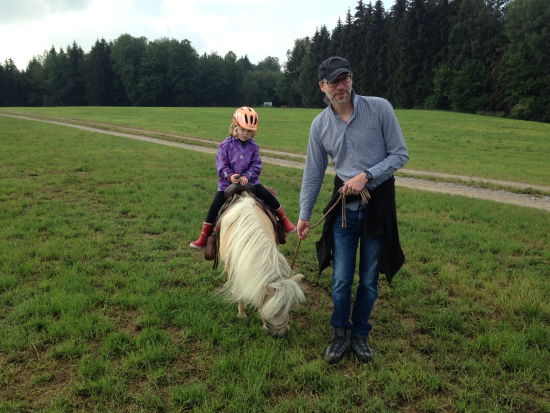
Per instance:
(233,78)
(472,55)
(336,39)
(270,64)
(397,50)
(289,87)
(528,59)
(264,79)
(211,84)
(361,48)
(10,84)
(74,81)
(418,54)
(126,53)
(183,73)
(99,74)
(245,64)
(34,81)
(380,42)
(441,16)
(317,51)
(55,71)
(347,43)
(153,84)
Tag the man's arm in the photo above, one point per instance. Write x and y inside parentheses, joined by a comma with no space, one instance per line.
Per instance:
(314,172)
(396,148)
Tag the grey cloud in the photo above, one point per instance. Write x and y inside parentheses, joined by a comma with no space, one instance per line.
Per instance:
(148,7)
(13,11)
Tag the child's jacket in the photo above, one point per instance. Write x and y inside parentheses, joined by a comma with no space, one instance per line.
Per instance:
(237,157)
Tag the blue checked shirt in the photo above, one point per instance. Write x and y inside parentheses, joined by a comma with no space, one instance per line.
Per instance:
(372,140)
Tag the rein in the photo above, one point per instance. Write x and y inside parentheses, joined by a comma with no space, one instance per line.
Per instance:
(365,197)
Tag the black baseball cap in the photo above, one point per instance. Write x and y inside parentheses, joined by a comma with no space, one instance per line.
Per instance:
(332,67)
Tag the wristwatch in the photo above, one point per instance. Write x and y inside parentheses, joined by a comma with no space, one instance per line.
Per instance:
(368,175)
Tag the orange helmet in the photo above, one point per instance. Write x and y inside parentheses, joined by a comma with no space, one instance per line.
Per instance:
(246,118)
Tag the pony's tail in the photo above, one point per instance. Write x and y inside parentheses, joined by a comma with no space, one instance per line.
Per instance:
(285,294)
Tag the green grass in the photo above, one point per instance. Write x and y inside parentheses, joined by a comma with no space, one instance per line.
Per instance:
(103,307)
(456,143)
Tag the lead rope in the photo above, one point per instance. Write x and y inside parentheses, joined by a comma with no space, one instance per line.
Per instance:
(365,197)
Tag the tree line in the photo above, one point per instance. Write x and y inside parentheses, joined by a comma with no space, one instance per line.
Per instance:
(477,56)
(132,71)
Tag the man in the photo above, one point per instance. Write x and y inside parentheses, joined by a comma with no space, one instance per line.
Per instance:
(362,136)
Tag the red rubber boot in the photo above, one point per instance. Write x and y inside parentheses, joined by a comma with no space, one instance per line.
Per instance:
(206,230)
(287,225)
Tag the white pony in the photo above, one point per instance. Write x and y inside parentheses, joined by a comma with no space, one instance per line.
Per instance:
(257,273)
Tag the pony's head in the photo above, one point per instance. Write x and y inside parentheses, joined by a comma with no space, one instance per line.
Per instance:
(279,297)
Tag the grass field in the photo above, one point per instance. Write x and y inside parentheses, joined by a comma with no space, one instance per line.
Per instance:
(438,141)
(103,307)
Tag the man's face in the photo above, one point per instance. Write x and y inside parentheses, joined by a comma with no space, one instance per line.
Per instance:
(339,91)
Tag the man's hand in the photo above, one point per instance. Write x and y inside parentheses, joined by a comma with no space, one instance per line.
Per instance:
(354,185)
(303,228)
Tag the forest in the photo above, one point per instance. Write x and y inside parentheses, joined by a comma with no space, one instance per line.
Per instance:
(476,56)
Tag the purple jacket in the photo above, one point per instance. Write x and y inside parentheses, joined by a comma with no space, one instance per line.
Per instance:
(237,157)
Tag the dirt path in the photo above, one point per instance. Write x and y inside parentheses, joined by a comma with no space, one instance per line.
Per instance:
(415,182)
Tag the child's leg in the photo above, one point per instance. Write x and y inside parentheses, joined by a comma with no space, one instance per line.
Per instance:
(208,224)
(263,193)
(217,203)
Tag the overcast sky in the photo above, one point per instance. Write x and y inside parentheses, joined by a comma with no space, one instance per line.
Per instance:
(256,28)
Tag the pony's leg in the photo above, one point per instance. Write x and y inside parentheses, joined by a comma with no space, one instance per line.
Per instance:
(242,310)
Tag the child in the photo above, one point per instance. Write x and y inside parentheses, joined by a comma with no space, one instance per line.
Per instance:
(238,161)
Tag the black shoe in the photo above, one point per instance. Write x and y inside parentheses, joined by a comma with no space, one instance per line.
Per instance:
(361,349)
(339,345)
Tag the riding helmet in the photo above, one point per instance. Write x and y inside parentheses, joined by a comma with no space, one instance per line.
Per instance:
(246,118)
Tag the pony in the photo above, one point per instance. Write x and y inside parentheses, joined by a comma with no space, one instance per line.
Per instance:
(257,273)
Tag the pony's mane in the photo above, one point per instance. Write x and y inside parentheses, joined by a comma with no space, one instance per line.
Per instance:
(287,292)
(252,259)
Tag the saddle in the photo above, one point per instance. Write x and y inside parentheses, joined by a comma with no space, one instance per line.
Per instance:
(232,193)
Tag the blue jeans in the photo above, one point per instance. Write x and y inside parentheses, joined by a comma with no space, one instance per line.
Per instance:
(346,241)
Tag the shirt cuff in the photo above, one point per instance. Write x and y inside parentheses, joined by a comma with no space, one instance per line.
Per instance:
(305,215)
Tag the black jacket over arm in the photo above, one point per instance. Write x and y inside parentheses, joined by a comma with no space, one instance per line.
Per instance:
(380,221)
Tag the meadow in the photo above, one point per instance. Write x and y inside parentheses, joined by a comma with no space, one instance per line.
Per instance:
(456,143)
(104,307)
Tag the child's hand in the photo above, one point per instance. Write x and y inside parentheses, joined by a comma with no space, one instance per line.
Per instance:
(235,178)
(243,180)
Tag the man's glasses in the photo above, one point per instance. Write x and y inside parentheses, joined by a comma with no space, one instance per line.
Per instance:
(344,80)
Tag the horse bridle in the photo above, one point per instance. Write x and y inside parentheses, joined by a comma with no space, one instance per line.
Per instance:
(275,326)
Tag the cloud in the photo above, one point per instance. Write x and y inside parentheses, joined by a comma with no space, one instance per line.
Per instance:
(18,10)
(255,28)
